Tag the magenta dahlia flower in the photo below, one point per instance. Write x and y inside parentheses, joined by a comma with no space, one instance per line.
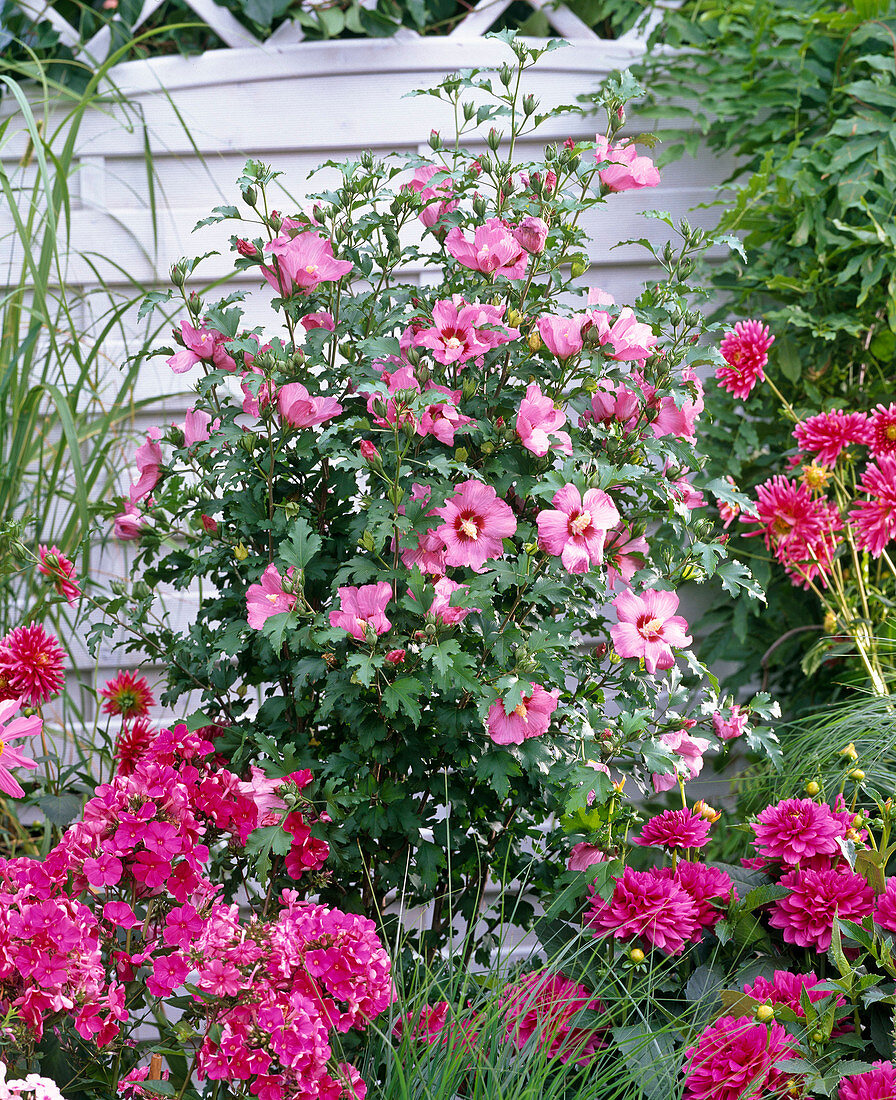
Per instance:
(709,888)
(736,1057)
(787,989)
(648,627)
(874,521)
(31,665)
(806,915)
(544,1005)
(745,351)
(648,905)
(674,829)
(797,527)
(883,431)
(362,609)
(885,907)
(796,829)
(128,695)
(878,1083)
(529,718)
(476,523)
(575,529)
(827,434)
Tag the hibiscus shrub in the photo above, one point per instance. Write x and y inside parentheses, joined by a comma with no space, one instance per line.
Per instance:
(438,526)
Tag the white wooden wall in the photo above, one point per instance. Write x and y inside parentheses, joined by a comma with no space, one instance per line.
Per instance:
(296,106)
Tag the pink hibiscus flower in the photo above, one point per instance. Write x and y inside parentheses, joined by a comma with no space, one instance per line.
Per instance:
(624,553)
(731,725)
(538,420)
(302,261)
(562,335)
(55,565)
(627,338)
(13,729)
(493,251)
(149,462)
(268,597)
(627,171)
(531,234)
(443,418)
(455,337)
(576,528)
(441,605)
(301,410)
(363,609)
(648,628)
(476,523)
(201,345)
(128,525)
(529,718)
(690,752)
(437,199)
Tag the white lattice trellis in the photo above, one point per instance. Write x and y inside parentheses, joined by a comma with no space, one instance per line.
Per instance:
(477,21)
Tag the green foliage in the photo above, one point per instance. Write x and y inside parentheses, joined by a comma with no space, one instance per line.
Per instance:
(422,800)
(802,94)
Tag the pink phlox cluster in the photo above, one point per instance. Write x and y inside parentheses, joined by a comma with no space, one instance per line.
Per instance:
(800,529)
(493,251)
(129,1085)
(540,1008)
(31,1087)
(200,345)
(538,423)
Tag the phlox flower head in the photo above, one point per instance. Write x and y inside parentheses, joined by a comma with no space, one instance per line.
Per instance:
(562,336)
(299,409)
(363,609)
(674,830)
(30,1087)
(14,729)
(827,434)
(575,529)
(55,565)
(806,915)
(540,1008)
(31,665)
(149,463)
(475,524)
(627,171)
(268,597)
(873,521)
(529,718)
(649,628)
(745,351)
(200,345)
(797,829)
(538,423)
(301,261)
(127,694)
(129,1085)
(493,251)
(731,723)
(882,431)
(879,1083)
(736,1057)
(437,197)
(649,906)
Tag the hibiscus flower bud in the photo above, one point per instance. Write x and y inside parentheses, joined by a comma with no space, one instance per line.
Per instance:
(369,452)
(435,142)
(246,248)
(250,196)
(534,341)
(493,140)
(209,525)
(178,274)
(530,234)
(395,656)
(530,104)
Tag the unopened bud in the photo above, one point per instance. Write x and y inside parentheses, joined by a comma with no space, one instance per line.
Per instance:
(177,274)
(246,248)
(765,1013)
(250,196)
(240,552)
(636,955)
(461,454)
(395,656)
(812,788)
(493,140)
(857,774)
(249,441)
(849,751)
(534,341)
(435,142)
(529,104)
